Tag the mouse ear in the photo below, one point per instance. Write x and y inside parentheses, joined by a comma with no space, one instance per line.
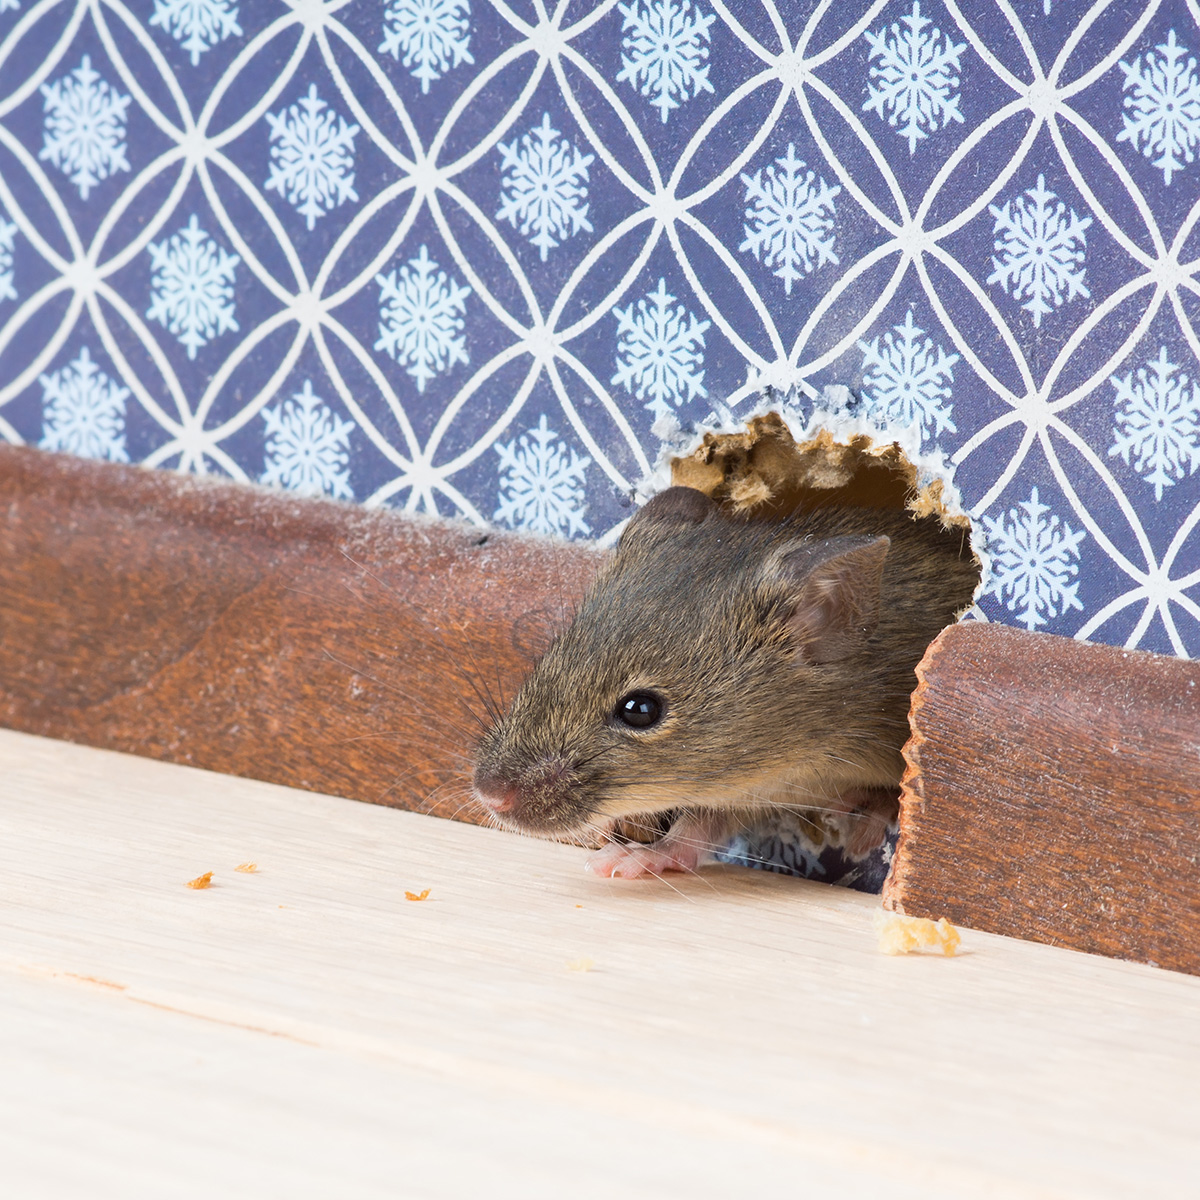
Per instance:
(668,510)
(836,588)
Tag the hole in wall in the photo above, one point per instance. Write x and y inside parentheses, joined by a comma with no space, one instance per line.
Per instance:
(765,472)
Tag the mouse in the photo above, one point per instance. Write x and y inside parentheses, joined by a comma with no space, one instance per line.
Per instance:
(721,668)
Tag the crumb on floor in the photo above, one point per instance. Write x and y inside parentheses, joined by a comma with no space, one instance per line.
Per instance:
(899,934)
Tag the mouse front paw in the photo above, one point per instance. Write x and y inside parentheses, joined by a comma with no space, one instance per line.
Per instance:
(635,861)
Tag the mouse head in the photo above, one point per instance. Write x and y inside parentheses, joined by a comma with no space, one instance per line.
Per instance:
(708,656)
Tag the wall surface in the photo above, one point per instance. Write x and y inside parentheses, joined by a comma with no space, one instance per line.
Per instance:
(464,256)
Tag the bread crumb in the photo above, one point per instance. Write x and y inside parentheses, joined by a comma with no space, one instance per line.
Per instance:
(580,964)
(247,868)
(201,881)
(902,935)
(417,895)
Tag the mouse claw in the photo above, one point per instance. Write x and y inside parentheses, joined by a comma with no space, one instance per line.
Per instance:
(636,861)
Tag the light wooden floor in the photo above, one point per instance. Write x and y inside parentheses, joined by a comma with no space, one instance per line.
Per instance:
(306,1031)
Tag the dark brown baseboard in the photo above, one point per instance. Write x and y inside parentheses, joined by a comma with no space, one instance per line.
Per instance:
(1053,793)
(304,642)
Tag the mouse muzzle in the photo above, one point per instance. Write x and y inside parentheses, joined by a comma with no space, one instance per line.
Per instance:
(543,798)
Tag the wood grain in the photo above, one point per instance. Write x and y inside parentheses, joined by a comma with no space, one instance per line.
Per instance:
(305,1031)
(304,642)
(1053,793)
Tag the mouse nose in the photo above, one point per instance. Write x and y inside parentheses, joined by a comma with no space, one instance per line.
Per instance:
(497,797)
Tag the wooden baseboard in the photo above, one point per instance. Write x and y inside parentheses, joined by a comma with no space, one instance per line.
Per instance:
(1053,793)
(303,642)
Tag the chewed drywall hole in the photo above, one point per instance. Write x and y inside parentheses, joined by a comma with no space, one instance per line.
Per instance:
(763,471)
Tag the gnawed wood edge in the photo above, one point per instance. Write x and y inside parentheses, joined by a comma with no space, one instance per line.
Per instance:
(1052,793)
(912,793)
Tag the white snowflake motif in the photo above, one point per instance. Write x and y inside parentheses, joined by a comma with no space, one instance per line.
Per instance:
(1033,562)
(85,127)
(8,233)
(421,318)
(197,25)
(430,36)
(542,484)
(544,186)
(83,411)
(907,379)
(312,157)
(307,447)
(1040,246)
(192,286)
(917,78)
(1157,422)
(660,350)
(9,5)
(789,217)
(664,53)
(1162,109)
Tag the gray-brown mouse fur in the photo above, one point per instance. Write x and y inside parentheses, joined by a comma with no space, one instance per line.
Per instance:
(777,655)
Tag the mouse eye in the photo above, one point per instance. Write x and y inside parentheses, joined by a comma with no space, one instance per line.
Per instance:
(639,710)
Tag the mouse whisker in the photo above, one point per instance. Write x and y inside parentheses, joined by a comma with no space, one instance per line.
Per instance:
(426,799)
(591,758)
(399,691)
(478,681)
(450,749)
(493,709)
(661,877)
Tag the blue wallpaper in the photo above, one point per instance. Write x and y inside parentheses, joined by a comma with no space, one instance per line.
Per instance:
(479,257)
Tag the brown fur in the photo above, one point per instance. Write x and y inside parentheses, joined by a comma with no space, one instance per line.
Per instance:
(702,608)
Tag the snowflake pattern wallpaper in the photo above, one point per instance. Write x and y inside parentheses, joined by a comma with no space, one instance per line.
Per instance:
(481,257)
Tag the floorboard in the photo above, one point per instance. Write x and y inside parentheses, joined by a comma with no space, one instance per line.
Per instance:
(308,1031)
